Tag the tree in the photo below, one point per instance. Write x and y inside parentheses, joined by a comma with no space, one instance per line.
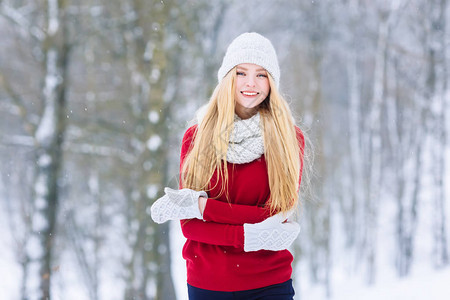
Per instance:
(48,135)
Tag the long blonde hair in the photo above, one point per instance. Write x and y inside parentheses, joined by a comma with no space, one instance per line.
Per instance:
(281,147)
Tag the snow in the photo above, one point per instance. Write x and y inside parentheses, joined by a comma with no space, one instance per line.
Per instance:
(34,248)
(10,271)
(153,117)
(149,48)
(154,142)
(47,126)
(96,11)
(39,187)
(66,281)
(33,281)
(162,249)
(41,203)
(93,184)
(21,21)
(53,22)
(19,140)
(178,267)
(46,130)
(44,160)
(155,74)
(152,191)
(426,284)
(51,78)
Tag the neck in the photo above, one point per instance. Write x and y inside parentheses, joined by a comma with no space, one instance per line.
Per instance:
(245,113)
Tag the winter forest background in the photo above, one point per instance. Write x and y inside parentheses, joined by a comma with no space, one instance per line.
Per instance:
(95,96)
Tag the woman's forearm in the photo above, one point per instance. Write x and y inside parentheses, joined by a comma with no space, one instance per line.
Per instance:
(235,214)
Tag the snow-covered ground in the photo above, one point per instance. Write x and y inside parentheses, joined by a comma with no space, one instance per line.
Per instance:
(426,285)
(10,273)
(424,282)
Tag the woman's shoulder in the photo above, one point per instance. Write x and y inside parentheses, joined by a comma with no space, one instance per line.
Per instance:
(188,138)
(190,132)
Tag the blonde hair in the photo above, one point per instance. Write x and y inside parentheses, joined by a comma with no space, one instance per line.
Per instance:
(281,147)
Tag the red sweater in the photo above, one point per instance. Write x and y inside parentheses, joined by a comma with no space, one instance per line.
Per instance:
(214,250)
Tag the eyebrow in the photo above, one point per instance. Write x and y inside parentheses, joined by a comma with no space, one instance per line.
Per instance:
(245,69)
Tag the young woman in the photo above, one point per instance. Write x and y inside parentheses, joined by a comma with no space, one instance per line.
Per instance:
(241,169)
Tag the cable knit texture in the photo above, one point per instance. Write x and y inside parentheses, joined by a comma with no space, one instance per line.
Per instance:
(253,48)
(271,234)
(177,205)
(246,141)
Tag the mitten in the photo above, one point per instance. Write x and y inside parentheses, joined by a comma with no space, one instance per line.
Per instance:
(271,234)
(177,205)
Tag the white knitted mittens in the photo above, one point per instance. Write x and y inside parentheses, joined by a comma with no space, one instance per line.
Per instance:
(177,205)
(270,234)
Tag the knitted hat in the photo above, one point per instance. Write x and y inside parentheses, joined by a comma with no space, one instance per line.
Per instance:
(251,47)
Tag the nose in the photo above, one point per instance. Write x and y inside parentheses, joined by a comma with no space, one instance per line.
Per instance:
(250,82)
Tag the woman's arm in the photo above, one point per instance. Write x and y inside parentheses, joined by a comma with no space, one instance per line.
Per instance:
(213,233)
(235,214)
(272,234)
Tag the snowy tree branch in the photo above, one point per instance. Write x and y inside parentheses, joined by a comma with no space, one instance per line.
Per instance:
(100,151)
(17,140)
(18,101)
(80,148)
(15,17)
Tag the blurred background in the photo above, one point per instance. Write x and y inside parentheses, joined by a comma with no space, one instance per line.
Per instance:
(95,96)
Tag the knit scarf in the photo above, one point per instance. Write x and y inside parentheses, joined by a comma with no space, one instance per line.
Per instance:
(246,141)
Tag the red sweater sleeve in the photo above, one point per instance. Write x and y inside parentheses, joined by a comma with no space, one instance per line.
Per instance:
(238,214)
(213,233)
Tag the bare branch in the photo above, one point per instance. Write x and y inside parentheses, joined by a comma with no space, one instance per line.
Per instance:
(15,17)
(17,140)
(18,101)
(79,148)
(98,150)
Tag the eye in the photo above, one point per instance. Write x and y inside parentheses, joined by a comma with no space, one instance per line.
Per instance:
(261,75)
(239,73)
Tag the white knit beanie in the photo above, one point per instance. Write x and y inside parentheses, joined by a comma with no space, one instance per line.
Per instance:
(251,47)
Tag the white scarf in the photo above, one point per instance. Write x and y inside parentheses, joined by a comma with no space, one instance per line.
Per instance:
(246,141)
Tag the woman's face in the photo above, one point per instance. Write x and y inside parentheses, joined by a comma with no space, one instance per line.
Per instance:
(252,87)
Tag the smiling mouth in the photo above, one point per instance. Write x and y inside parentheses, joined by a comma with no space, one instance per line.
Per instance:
(249,93)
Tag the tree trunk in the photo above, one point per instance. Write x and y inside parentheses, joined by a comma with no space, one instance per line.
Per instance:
(375,150)
(354,215)
(48,140)
(406,149)
(149,64)
(438,86)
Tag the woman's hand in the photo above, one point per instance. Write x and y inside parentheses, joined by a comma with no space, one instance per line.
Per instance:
(178,205)
(202,204)
(274,233)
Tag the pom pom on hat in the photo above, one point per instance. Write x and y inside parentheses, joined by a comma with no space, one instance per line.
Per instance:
(251,47)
